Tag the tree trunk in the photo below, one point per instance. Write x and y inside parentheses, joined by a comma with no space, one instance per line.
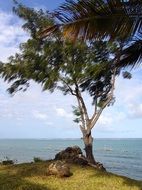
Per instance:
(88,141)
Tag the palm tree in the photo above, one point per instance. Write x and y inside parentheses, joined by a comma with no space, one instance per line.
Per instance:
(131,55)
(111,19)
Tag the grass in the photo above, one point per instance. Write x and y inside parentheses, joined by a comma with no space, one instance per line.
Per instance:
(34,176)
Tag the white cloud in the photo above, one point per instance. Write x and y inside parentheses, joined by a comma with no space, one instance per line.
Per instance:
(108,119)
(128,91)
(40,115)
(119,116)
(135,111)
(8,112)
(5,52)
(11,35)
(105,120)
(112,118)
(62,113)
(129,96)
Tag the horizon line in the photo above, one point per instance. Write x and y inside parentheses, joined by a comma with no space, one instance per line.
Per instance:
(69,138)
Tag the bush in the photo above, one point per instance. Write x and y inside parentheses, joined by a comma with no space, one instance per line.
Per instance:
(37,159)
(8,161)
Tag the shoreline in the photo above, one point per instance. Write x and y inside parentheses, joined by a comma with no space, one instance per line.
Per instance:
(122,157)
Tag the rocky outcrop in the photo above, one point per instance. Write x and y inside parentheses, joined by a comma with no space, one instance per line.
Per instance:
(72,155)
(68,153)
(59,168)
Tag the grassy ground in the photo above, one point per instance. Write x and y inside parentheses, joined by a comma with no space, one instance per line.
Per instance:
(34,177)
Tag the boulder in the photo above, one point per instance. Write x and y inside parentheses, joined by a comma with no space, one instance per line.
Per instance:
(69,153)
(72,155)
(59,168)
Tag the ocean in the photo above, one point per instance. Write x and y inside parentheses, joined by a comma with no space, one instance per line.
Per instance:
(119,156)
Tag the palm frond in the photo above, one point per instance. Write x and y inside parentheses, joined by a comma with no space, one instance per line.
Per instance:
(89,19)
(48,30)
(132,55)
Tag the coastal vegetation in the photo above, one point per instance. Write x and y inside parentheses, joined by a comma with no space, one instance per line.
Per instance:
(83,70)
(34,176)
(89,67)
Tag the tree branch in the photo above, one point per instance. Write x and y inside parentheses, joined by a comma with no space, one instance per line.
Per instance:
(96,115)
(70,89)
(81,112)
(95,111)
(82,104)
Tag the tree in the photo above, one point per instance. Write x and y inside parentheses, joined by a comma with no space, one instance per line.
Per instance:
(72,68)
(111,19)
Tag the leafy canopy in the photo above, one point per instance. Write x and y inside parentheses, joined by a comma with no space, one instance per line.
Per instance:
(55,63)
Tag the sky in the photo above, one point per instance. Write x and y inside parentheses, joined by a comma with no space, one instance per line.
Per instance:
(38,114)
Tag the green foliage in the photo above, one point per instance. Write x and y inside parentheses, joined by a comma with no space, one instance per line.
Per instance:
(76,112)
(8,161)
(39,59)
(127,75)
(132,54)
(37,159)
(58,64)
(35,21)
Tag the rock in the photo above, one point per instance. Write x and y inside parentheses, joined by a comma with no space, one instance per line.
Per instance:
(60,169)
(72,155)
(69,153)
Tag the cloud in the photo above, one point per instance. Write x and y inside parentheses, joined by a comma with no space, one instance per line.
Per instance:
(115,117)
(105,120)
(40,115)
(11,35)
(8,113)
(135,111)
(129,96)
(62,113)
(128,91)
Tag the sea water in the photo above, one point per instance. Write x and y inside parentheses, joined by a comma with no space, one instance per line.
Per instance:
(120,156)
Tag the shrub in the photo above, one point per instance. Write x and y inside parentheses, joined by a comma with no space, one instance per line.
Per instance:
(7,161)
(37,159)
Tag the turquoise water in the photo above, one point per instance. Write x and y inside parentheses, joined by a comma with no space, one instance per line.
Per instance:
(120,156)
